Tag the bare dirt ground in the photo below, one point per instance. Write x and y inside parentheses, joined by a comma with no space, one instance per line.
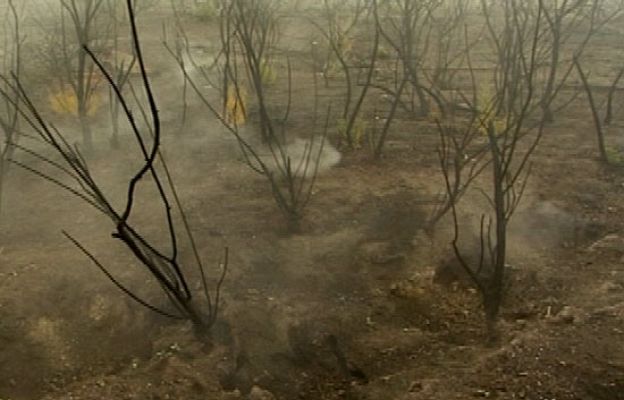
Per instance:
(346,309)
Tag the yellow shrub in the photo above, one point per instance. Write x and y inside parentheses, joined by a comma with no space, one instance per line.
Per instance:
(236,106)
(64,101)
(486,104)
(499,124)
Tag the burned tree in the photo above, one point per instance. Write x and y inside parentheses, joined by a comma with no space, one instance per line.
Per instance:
(600,123)
(505,155)
(163,265)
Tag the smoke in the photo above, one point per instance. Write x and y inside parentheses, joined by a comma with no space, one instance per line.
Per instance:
(306,156)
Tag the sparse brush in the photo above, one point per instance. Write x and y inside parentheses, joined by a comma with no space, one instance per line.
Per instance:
(268,75)
(343,49)
(206,11)
(615,156)
(358,132)
(386,53)
(346,46)
(331,68)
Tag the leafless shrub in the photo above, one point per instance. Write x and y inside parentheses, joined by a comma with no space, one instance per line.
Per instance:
(340,21)
(9,116)
(564,20)
(248,37)
(405,25)
(120,69)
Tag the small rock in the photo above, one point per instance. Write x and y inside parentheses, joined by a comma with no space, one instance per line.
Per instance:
(236,394)
(611,287)
(415,386)
(380,253)
(610,311)
(567,315)
(257,393)
(611,242)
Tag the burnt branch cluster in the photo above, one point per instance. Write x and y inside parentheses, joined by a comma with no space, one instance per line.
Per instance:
(163,265)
